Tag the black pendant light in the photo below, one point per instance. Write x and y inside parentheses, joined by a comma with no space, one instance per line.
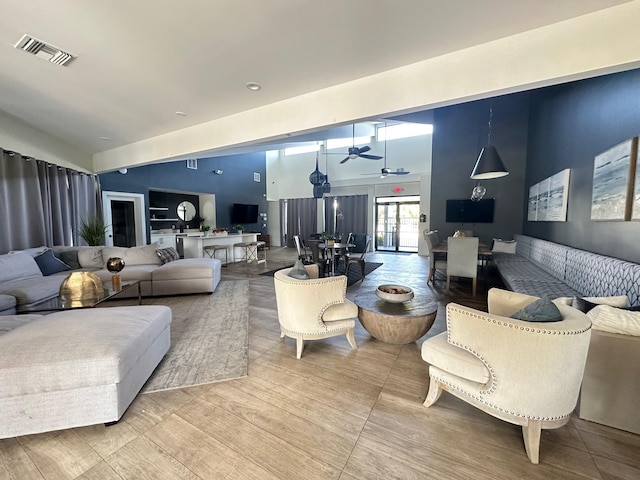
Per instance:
(489,164)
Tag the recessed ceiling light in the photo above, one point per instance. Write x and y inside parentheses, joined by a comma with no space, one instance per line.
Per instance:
(253,86)
(181,114)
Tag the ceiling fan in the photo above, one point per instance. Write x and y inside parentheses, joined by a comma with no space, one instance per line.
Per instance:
(355,152)
(384,171)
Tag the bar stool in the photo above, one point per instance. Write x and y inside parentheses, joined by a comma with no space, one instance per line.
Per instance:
(211,250)
(248,252)
(261,247)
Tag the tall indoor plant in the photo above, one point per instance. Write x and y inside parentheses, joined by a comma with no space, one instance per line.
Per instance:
(92,230)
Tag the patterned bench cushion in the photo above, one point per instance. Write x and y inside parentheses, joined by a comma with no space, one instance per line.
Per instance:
(551,257)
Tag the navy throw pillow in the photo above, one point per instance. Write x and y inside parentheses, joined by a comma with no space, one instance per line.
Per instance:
(50,264)
(542,310)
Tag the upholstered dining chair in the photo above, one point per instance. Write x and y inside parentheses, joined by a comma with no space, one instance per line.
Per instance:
(433,240)
(315,308)
(525,373)
(462,259)
(356,259)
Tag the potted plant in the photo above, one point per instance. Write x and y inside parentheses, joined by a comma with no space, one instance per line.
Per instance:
(239,229)
(205,230)
(329,239)
(92,230)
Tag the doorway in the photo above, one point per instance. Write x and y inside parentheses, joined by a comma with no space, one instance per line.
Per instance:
(124,215)
(397,227)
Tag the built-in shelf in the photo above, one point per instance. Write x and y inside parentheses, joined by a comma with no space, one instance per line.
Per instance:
(164,219)
(159,208)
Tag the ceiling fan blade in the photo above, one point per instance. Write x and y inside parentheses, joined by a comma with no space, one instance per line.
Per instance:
(371,157)
(400,173)
(344,160)
(366,148)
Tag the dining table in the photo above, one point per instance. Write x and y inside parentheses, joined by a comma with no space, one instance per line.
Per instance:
(334,250)
(484,255)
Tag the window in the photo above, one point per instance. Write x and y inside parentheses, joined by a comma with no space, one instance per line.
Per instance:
(403,130)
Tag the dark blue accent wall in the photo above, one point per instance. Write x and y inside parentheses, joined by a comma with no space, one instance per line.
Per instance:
(235,185)
(459,133)
(569,125)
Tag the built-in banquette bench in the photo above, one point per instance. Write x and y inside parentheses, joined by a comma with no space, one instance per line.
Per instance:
(611,383)
(541,267)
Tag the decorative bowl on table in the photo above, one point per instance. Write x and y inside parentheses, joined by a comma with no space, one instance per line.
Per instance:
(394,293)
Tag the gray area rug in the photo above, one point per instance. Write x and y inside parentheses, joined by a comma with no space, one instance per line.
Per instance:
(209,338)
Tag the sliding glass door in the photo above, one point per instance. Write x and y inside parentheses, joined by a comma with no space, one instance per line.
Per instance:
(397,223)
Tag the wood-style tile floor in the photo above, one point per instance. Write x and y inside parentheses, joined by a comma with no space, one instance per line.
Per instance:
(335,414)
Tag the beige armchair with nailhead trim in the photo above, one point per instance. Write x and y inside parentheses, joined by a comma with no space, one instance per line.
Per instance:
(315,308)
(525,373)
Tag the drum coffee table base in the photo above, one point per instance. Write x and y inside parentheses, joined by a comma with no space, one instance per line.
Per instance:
(395,323)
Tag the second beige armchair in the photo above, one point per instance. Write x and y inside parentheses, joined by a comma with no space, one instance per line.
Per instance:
(315,308)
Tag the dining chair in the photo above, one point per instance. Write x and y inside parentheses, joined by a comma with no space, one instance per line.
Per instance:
(304,253)
(462,259)
(433,240)
(356,258)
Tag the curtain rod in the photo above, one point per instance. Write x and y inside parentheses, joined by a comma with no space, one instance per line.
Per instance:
(11,153)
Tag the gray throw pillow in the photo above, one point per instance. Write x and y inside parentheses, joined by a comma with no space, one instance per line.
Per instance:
(542,310)
(298,271)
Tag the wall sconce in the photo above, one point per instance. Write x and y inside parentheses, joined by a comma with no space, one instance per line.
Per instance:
(218,172)
(489,164)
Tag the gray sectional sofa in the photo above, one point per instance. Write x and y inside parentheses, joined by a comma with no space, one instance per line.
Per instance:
(611,383)
(25,287)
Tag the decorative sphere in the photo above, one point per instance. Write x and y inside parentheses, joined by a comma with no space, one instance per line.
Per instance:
(115,264)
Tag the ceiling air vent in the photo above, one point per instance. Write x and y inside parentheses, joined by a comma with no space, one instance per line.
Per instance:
(44,50)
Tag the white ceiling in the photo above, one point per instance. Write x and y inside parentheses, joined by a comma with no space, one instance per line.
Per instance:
(140,61)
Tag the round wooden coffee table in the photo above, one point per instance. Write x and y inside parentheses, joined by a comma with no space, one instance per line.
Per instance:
(396,323)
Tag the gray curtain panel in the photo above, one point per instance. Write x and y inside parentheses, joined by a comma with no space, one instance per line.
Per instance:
(350,216)
(43,204)
(299,216)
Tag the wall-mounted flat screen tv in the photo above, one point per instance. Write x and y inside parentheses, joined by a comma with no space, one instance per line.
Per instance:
(244,213)
(468,211)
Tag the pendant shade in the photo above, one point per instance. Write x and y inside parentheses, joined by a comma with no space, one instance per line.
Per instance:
(488,165)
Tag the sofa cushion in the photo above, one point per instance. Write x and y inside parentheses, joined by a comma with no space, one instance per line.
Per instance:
(143,255)
(454,360)
(187,269)
(49,264)
(10,322)
(340,311)
(90,257)
(587,303)
(32,289)
(615,320)
(18,265)
(7,303)
(131,272)
(542,310)
(34,252)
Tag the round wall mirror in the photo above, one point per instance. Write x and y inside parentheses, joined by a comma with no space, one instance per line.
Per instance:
(186,211)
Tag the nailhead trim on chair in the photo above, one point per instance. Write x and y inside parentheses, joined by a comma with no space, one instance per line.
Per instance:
(515,414)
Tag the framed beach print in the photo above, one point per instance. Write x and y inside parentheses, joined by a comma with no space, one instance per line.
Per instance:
(613,183)
(635,215)
(558,195)
(532,210)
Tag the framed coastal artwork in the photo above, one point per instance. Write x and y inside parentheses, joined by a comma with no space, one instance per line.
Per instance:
(614,174)
(635,209)
(548,199)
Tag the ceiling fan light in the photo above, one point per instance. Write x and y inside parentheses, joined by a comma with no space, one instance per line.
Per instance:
(489,165)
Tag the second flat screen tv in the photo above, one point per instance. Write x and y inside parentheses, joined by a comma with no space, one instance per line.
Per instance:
(244,213)
(468,211)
